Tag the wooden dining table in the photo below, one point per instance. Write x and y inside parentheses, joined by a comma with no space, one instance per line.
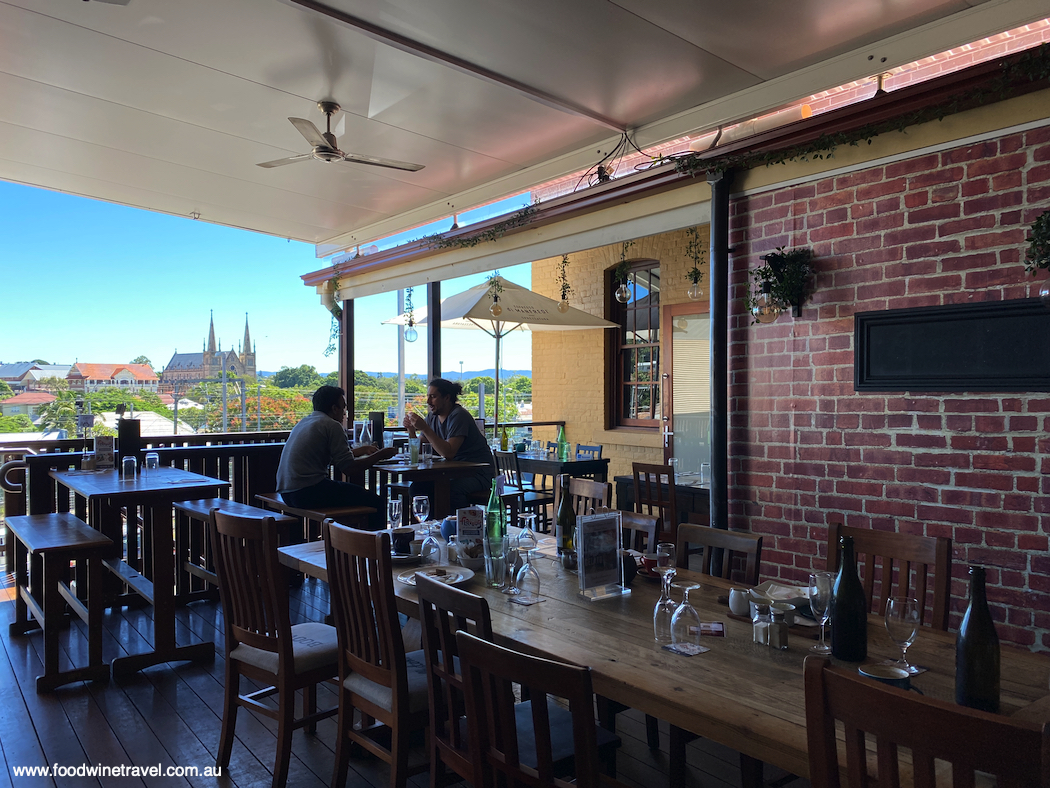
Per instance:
(154,492)
(438,471)
(546,464)
(741,694)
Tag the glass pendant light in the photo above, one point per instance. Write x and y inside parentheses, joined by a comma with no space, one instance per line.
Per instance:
(563,306)
(695,292)
(623,293)
(765,309)
(1044,293)
(411,335)
(495,310)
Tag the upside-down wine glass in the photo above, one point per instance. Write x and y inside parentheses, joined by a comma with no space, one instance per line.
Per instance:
(527,581)
(665,606)
(820,585)
(902,622)
(685,623)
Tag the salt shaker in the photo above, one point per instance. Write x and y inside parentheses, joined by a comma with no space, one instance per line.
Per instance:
(761,623)
(778,631)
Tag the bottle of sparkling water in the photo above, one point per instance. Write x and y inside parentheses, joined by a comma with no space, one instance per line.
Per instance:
(563,445)
(495,517)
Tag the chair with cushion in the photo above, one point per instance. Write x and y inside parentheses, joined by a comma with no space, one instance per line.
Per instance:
(376,676)
(444,611)
(261,643)
(718,548)
(654,493)
(501,754)
(900,565)
(881,723)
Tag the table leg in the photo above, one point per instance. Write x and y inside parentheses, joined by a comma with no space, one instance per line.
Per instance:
(163,559)
(442,499)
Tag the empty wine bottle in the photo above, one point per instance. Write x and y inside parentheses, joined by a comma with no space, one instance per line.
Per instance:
(564,518)
(849,609)
(977,651)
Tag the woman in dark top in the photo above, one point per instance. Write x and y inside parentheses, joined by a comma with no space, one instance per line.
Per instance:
(453,434)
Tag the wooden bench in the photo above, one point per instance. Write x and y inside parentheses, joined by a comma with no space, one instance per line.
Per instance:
(59,539)
(194,574)
(353,516)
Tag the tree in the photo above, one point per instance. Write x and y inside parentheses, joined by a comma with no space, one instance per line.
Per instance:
(142,360)
(303,376)
(5,390)
(19,423)
(60,414)
(52,384)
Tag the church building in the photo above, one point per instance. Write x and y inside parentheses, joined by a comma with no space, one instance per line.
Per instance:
(197,367)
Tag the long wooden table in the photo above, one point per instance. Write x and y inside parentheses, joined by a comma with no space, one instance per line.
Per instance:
(154,492)
(741,694)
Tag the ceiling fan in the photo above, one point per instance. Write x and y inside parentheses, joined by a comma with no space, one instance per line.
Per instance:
(326,147)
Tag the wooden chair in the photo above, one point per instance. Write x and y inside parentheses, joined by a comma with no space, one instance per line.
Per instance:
(1016,752)
(376,676)
(717,549)
(639,531)
(586,495)
(530,500)
(494,724)
(654,493)
(261,643)
(584,452)
(444,611)
(902,568)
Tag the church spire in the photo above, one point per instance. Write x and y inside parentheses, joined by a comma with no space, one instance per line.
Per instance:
(247,337)
(211,333)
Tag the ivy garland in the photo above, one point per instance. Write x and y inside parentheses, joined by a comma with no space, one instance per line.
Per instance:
(623,268)
(1038,254)
(337,314)
(694,250)
(1031,66)
(563,278)
(494,233)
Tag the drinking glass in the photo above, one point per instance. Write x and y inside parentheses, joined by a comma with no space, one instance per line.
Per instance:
(426,454)
(496,561)
(393,512)
(820,584)
(430,554)
(421,508)
(528,579)
(685,623)
(902,622)
(128,467)
(705,473)
(665,606)
(673,464)
(152,461)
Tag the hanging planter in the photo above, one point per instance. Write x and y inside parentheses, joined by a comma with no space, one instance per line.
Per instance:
(782,283)
(694,250)
(563,284)
(411,335)
(623,270)
(1038,254)
(495,288)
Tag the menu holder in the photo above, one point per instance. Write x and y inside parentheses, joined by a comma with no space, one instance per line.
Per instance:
(598,543)
(103,452)
(470,530)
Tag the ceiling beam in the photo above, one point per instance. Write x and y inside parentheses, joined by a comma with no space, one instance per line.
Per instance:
(435,55)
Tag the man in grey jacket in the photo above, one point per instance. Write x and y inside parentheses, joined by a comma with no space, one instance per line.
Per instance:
(317,442)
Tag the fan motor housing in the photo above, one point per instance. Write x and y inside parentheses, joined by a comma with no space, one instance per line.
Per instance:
(327,154)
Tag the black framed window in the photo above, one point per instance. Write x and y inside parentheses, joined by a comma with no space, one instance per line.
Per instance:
(637,357)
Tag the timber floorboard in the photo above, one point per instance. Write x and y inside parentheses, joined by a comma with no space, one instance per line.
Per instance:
(171,715)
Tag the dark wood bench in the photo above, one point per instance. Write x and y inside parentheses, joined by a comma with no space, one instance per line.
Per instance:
(58,539)
(194,570)
(353,516)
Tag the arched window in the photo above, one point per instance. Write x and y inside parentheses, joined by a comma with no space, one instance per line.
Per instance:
(635,400)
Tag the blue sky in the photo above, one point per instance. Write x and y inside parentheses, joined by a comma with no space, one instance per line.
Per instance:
(86,280)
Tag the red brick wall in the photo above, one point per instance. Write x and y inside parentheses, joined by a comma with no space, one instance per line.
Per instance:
(940,228)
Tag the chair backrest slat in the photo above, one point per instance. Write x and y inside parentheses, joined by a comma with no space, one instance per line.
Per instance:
(507,463)
(905,723)
(654,493)
(584,452)
(900,565)
(723,544)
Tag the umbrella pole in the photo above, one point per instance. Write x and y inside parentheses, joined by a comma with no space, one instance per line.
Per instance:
(495,407)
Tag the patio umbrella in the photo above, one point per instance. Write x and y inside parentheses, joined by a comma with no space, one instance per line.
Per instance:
(522,310)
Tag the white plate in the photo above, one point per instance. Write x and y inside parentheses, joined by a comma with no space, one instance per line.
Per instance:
(453,576)
(404,560)
(781,592)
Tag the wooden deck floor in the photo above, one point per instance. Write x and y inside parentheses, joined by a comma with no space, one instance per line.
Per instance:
(171,715)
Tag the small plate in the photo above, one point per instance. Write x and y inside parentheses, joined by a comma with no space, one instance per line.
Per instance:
(453,575)
(648,574)
(404,560)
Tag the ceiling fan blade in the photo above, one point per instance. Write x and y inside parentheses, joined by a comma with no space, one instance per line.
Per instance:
(114,2)
(309,130)
(359,158)
(289,160)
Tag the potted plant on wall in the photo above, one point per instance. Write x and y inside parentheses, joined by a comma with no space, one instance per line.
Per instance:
(1038,254)
(783,282)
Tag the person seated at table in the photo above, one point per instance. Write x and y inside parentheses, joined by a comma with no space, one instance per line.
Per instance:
(453,433)
(318,441)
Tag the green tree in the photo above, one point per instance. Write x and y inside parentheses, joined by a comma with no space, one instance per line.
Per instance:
(60,414)
(52,384)
(303,376)
(142,360)
(520,385)
(5,390)
(19,423)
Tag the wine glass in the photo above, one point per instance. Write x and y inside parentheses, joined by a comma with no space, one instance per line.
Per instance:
(421,508)
(820,585)
(430,553)
(902,622)
(685,623)
(665,606)
(393,512)
(527,581)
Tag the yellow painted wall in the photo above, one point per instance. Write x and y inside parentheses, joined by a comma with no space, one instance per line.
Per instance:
(568,374)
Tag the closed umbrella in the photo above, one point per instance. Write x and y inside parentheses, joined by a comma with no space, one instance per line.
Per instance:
(521,309)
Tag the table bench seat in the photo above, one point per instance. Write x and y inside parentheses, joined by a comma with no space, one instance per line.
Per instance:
(58,539)
(354,516)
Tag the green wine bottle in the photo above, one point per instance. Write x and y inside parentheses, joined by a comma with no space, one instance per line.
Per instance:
(564,518)
(849,609)
(977,651)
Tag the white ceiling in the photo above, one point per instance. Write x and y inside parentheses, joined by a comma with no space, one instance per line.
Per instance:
(170,104)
